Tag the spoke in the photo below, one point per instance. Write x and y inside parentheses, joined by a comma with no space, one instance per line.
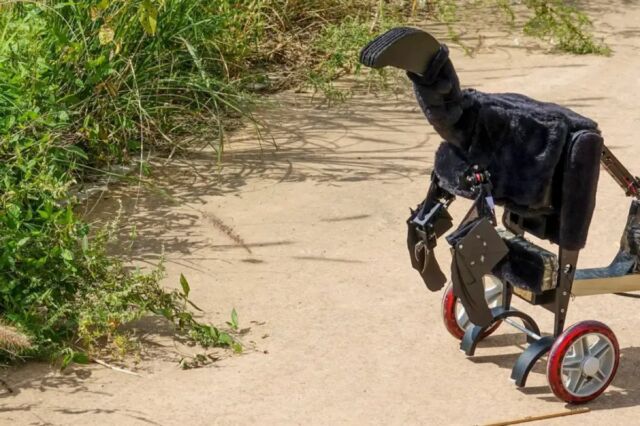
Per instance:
(578,384)
(463,319)
(572,363)
(492,294)
(578,348)
(600,348)
(572,378)
(600,376)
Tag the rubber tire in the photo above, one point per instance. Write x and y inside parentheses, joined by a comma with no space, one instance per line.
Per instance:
(559,350)
(449,301)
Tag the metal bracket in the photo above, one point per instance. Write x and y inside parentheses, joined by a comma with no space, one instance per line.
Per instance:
(474,334)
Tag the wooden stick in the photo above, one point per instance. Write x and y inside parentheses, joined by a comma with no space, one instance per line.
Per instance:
(543,417)
(114,368)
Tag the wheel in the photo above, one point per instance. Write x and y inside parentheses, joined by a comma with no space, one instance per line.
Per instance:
(582,362)
(455,317)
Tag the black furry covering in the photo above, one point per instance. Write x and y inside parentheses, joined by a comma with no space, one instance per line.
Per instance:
(527,266)
(523,143)
(579,185)
(519,140)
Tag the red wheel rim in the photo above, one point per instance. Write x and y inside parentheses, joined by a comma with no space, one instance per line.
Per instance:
(559,350)
(449,302)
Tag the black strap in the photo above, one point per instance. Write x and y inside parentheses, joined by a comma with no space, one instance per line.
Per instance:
(475,254)
(425,225)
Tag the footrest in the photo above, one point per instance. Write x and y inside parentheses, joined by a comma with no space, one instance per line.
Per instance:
(528,359)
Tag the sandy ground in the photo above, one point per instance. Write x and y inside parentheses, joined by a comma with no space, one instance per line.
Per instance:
(344,331)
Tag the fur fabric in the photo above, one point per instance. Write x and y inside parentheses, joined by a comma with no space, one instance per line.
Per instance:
(519,140)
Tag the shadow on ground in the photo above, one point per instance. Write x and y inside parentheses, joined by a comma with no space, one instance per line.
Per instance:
(624,391)
(318,145)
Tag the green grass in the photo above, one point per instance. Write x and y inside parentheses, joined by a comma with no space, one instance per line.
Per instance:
(563,25)
(88,84)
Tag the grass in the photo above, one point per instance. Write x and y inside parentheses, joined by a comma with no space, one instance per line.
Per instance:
(85,85)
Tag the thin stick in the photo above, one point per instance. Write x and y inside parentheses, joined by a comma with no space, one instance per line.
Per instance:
(543,417)
(114,368)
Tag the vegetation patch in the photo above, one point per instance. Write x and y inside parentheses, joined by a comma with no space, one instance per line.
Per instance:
(85,85)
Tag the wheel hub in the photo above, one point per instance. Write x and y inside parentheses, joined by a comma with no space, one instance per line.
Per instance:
(590,366)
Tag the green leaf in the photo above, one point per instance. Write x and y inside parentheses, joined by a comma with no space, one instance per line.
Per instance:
(234,319)
(106,35)
(148,16)
(71,356)
(185,285)
(63,116)
(224,339)
(81,358)
(67,255)
(194,306)
(66,360)
(153,23)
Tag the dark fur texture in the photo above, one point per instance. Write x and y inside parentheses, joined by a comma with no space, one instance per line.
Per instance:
(519,140)
(579,185)
(522,269)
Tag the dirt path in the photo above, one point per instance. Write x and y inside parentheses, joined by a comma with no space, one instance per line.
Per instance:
(345,332)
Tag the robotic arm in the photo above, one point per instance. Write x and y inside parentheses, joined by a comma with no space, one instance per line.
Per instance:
(426,224)
(476,246)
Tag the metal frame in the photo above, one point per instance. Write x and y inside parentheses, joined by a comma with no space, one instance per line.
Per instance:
(595,286)
(565,289)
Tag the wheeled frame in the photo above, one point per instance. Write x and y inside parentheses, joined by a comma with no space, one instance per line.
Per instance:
(546,161)
(613,279)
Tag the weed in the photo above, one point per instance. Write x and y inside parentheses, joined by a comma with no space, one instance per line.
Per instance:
(88,84)
(564,26)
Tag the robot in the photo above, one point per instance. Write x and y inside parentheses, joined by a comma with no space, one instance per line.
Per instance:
(541,163)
